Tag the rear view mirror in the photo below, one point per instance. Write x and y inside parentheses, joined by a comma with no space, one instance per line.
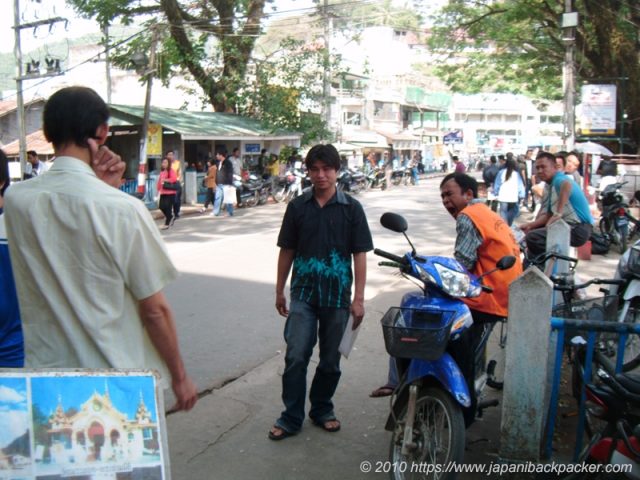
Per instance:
(394,222)
(506,262)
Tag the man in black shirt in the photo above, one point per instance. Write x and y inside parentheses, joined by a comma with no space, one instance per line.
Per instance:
(321,231)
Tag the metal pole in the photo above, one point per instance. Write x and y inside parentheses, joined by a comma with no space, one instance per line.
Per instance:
(107,60)
(569,81)
(326,77)
(22,139)
(144,134)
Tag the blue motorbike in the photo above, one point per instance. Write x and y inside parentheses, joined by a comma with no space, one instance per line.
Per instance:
(428,407)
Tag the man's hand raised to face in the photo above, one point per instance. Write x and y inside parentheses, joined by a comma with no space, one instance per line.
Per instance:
(107,165)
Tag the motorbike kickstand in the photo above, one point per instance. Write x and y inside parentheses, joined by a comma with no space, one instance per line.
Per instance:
(408,445)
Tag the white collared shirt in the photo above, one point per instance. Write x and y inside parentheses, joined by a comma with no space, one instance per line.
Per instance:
(83,255)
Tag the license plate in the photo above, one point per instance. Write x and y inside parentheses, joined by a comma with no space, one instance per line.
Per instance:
(622,221)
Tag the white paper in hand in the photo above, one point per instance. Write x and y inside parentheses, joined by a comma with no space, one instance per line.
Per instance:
(349,338)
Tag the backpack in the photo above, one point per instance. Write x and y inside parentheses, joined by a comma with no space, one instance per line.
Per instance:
(599,243)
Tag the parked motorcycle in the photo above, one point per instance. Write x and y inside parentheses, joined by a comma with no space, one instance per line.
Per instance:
(247,191)
(429,405)
(615,218)
(612,421)
(351,181)
(628,294)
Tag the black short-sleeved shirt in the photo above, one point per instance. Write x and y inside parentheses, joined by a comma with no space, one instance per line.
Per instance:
(324,240)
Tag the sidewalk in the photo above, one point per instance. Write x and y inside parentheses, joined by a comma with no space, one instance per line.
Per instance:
(225,436)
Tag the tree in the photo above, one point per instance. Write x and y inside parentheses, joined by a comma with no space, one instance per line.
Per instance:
(516,46)
(211,40)
(287,89)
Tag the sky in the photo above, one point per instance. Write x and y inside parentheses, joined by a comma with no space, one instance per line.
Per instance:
(31,10)
(73,391)
(13,409)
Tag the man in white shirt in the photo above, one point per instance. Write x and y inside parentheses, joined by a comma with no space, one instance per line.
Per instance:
(93,297)
(34,166)
(236,161)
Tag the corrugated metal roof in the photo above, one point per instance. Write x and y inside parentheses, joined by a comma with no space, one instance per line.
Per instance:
(198,125)
(35,141)
(9,106)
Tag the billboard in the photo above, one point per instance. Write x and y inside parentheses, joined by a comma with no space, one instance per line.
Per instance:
(597,114)
(154,140)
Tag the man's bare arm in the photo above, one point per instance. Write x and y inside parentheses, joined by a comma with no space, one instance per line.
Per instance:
(360,279)
(285,260)
(157,318)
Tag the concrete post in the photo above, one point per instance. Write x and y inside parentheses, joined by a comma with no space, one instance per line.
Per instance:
(558,237)
(191,188)
(525,398)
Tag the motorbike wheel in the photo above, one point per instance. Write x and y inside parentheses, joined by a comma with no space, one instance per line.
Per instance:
(623,242)
(632,346)
(253,200)
(279,193)
(438,435)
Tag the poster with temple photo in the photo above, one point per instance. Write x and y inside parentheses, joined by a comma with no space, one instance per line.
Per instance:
(81,424)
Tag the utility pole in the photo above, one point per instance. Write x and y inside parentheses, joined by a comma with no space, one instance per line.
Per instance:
(326,77)
(107,59)
(569,23)
(144,134)
(32,73)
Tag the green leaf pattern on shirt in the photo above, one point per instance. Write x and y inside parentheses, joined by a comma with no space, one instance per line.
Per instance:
(335,268)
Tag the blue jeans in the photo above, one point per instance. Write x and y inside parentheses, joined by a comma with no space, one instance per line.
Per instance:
(217,203)
(305,324)
(509,211)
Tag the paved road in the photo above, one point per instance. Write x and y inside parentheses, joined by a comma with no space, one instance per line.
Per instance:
(224,297)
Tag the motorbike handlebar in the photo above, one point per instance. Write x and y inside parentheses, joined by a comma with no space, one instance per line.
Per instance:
(593,281)
(390,256)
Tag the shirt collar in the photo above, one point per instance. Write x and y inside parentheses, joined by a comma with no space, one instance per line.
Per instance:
(71,164)
(339,197)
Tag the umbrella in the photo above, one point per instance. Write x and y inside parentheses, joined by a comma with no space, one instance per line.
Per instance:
(593,148)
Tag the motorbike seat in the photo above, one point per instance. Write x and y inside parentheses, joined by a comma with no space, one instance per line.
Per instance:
(607,395)
(629,381)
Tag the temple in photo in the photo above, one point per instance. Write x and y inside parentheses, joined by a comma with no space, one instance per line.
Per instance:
(99,432)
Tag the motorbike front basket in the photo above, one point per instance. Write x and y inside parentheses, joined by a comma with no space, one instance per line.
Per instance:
(416,333)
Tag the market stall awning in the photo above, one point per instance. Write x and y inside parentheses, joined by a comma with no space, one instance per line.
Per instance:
(200,125)
(366,139)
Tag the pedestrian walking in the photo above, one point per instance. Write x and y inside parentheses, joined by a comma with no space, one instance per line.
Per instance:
(210,183)
(167,189)
(174,163)
(509,190)
(225,191)
(322,231)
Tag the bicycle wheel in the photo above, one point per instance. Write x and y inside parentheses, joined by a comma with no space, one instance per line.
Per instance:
(438,436)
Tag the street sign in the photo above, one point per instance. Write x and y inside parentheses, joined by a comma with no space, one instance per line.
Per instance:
(598,110)
(455,136)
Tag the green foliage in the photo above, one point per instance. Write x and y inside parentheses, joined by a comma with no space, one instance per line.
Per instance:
(286,80)
(209,41)
(517,46)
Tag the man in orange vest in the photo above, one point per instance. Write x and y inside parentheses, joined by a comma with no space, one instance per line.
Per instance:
(482,239)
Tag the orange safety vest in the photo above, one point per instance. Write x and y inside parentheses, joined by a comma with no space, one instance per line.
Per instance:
(497,241)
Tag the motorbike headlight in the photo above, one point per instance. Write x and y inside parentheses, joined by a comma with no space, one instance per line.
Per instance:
(456,284)
(424,275)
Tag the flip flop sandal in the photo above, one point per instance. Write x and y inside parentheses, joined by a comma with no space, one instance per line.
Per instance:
(323,425)
(384,391)
(282,436)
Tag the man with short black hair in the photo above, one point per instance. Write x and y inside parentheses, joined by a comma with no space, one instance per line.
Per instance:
(322,231)
(34,166)
(93,297)
(564,200)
